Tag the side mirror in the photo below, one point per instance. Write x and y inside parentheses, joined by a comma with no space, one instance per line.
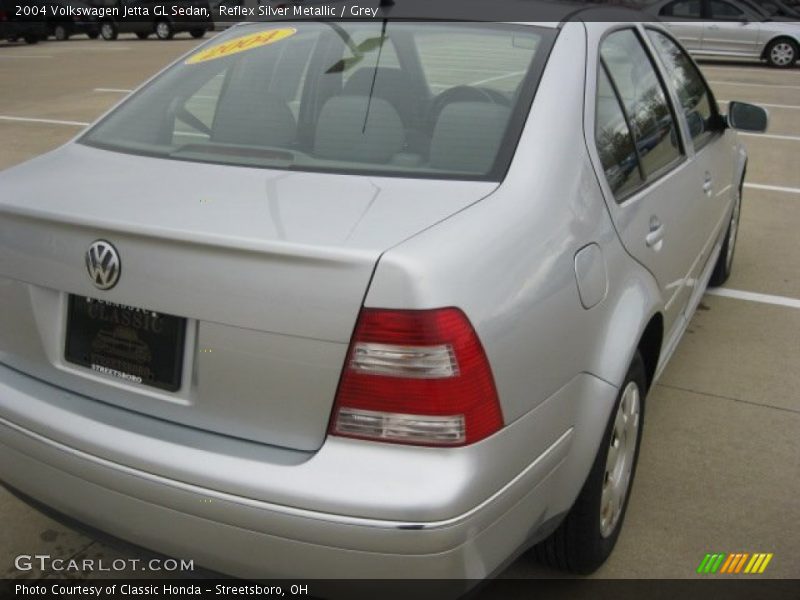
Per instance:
(747,117)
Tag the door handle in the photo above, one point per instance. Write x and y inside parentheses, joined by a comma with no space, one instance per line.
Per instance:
(656,234)
(708,185)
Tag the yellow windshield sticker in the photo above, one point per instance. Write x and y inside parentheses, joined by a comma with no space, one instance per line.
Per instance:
(240,44)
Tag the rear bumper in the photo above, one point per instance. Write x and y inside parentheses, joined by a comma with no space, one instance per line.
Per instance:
(103,481)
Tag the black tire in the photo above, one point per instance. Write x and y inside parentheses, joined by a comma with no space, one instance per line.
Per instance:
(782,53)
(93,35)
(61,33)
(31,39)
(579,544)
(142,35)
(164,30)
(724,266)
(109,31)
(197,33)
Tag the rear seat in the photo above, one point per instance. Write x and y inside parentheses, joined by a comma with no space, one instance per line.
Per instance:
(467,136)
(343,135)
(267,122)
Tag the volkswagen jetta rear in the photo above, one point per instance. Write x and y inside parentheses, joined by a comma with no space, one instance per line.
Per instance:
(240,323)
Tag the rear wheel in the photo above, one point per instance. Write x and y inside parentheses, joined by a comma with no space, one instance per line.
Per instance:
(31,39)
(108,30)
(60,33)
(782,53)
(197,33)
(722,270)
(586,537)
(164,30)
(142,35)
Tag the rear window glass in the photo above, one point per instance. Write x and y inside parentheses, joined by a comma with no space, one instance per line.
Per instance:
(408,99)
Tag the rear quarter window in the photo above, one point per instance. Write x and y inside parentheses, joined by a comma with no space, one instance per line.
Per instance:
(644,100)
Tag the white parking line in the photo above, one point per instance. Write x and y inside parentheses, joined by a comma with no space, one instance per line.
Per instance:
(754,297)
(772,188)
(746,84)
(113,90)
(738,69)
(27,56)
(48,121)
(772,136)
(764,104)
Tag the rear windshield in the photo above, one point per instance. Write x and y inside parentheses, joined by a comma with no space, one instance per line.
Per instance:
(406,99)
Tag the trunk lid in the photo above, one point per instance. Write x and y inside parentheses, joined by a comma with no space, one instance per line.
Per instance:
(269,268)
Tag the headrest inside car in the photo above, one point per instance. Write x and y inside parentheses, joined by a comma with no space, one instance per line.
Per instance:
(346,132)
(467,136)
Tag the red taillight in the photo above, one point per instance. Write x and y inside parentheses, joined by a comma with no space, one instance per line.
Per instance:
(416,377)
(3,16)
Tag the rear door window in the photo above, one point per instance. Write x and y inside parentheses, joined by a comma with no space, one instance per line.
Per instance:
(685,9)
(726,11)
(644,101)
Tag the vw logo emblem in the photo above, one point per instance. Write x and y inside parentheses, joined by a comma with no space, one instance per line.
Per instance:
(103,264)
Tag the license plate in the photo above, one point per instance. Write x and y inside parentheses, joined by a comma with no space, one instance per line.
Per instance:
(132,344)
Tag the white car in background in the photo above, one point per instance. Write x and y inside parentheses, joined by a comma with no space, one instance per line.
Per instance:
(729,28)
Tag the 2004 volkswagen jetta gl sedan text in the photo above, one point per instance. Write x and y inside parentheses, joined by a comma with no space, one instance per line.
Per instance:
(365,299)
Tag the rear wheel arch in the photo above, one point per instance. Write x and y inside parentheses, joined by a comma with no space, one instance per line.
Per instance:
(633,317)
(776,39)
(650,346)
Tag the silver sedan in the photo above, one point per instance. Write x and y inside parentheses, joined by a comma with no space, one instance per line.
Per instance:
(374,300)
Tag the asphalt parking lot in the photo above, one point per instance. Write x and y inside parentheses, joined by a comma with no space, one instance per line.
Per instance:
(719,469)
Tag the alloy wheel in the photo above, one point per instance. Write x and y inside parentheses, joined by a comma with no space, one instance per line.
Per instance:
(782,54)
(163,30)
(620,459)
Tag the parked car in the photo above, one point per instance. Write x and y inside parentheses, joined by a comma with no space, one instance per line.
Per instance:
(66,18)
(729,28)
(408,317)
(13,26)
(148,17)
